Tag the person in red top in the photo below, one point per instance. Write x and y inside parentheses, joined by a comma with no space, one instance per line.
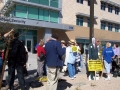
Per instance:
(40,49)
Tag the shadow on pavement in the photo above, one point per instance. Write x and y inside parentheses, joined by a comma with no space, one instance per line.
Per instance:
(62,85)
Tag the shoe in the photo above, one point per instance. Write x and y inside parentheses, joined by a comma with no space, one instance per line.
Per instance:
(79,68)
(6,87)
(89,78)
(107,78)
(72,78)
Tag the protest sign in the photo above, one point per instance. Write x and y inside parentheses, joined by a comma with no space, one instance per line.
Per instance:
(95,65)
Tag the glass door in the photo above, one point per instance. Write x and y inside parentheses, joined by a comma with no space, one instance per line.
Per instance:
(29,45)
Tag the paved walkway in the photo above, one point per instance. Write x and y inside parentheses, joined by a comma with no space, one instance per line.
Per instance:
(79,83)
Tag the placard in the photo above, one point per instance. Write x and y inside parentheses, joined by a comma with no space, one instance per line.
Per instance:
(95,65)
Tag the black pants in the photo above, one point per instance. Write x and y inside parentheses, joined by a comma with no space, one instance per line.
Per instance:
(11,76)
(114,63)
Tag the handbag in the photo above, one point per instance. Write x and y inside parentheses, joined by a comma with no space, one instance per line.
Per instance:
(42,57)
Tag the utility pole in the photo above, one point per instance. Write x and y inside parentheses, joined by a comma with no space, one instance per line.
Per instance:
(91,20)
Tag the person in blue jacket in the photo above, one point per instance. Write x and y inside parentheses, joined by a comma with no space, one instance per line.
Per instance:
(108,54)
(54,53)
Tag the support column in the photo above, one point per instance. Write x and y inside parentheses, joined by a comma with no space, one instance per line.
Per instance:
(91,20)
(48,33)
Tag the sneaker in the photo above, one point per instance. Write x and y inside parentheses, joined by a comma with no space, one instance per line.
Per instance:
(72,78)
(107,78)
(89,78)
(79,68)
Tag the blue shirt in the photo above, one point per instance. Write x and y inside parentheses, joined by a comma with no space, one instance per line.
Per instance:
(108,54)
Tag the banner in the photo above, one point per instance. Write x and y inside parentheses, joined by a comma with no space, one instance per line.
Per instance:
(95,65)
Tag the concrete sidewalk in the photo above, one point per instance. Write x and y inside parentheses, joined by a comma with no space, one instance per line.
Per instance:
(79,83)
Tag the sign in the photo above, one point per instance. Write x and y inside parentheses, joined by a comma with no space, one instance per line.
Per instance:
(95,65)
(7,19)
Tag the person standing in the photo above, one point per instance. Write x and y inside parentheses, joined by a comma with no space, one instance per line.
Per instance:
(40,50)
(63,69)
(81,56)
(54,61)
(115,60)
(108,54)
(16,60)
(93,55)
(2,47)
(71,52)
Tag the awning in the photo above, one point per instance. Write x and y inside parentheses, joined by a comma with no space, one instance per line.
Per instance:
(85,15)
(111,2)
(111,21)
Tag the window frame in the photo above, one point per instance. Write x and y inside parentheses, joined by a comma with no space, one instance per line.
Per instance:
(116,28)
(110,8)
(103,25)
(116,10)
(110,26)
(21,10)
(103,6)
(80,20)
(80,1)
(88,22)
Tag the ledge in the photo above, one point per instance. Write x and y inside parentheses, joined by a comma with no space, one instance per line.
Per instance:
(85,15)
(111,21)
(112,3)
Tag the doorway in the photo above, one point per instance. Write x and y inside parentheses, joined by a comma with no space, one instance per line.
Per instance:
(29,45)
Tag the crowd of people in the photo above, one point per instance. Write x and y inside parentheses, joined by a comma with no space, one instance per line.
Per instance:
(54,57)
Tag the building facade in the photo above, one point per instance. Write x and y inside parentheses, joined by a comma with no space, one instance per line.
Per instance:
(69,18)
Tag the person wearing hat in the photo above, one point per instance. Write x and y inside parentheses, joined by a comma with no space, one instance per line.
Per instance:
(108,54)
(54,53)
(70,59)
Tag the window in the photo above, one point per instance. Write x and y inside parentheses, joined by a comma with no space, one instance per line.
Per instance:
(116,28)
(54,16)
(33,1)
(103,6)
(80,1)
(109,8)
(79,21)
(116,10)
(44,2)
(21,11)
(41,14)
(88,22)
(88,2)
(103,25)
(32,13)
(46,15)
(54,3)
(109,27)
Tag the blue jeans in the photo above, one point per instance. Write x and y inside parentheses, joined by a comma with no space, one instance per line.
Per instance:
(81,61)
(71,70)
(1,63)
